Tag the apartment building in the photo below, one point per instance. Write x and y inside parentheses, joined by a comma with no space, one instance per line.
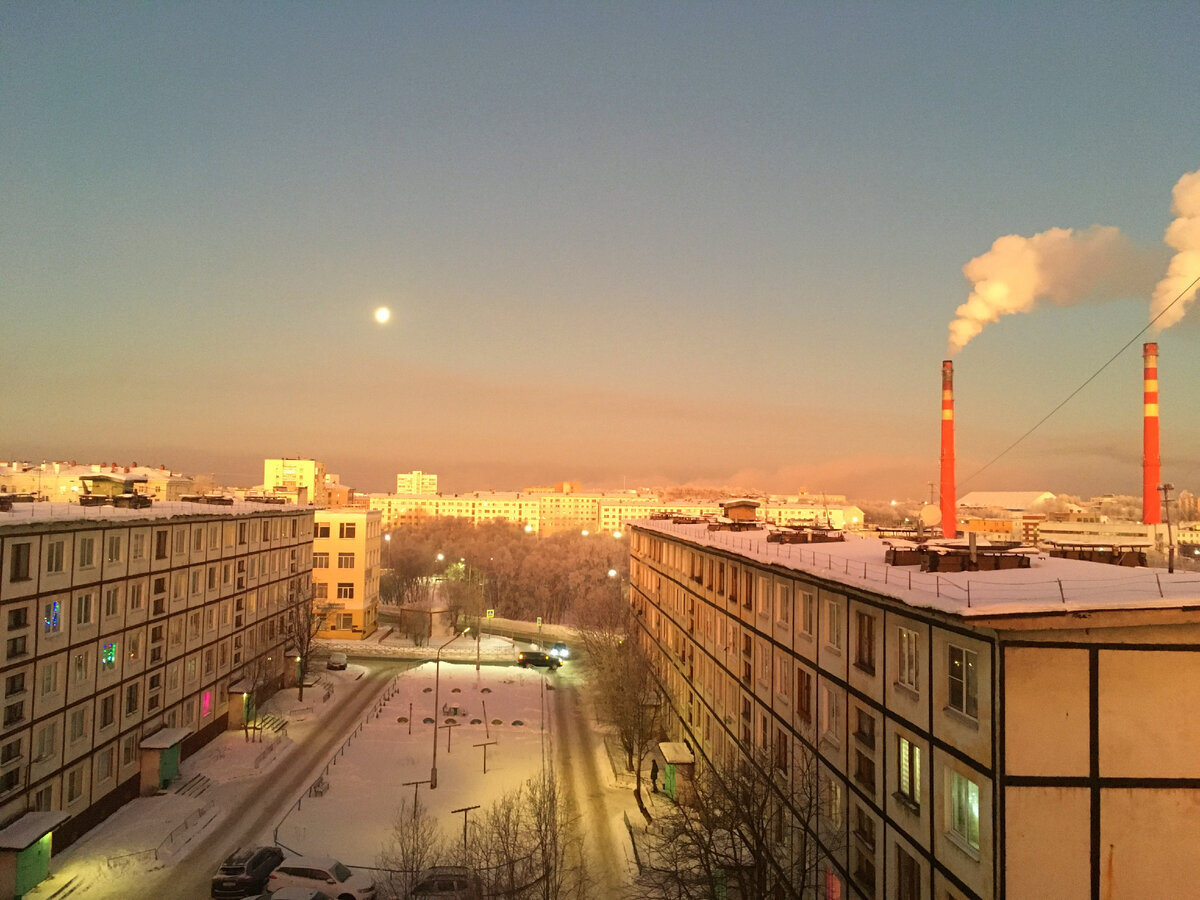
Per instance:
(62,482)
(345,570)
(129,637)
(1004,734)
(302,478)
(416,482)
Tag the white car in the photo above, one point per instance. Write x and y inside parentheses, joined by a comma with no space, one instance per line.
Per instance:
(322,874)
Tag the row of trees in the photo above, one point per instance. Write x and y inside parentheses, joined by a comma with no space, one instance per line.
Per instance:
(499,566)
(524,846)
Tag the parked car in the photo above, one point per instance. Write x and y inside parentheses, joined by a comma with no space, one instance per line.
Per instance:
(323,874)
(528,658)
(246,872)
(447,883)
(336,661)
(559,650)
(297,893)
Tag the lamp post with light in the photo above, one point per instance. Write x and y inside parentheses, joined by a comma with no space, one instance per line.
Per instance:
(1166,489)
(437,675)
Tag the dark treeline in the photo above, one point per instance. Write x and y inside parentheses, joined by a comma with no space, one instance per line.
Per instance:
(560,577)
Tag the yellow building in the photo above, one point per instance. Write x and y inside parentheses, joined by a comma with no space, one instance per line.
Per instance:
(305,478)
(416,482)
(345,569)
(60,482)
(1020,733)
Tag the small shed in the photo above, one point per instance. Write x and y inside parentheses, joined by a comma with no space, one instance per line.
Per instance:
(740,510)
(160,759)
(679,771)
(25,847)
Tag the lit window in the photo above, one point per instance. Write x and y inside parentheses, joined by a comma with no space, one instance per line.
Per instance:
(909,659)
(964,685)
(909,780)
(964,810)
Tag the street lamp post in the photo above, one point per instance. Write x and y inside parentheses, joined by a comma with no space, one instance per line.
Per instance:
(1166,489)
(437,677)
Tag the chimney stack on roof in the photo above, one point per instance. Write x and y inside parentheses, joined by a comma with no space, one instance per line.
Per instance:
(1151,463)
(949,511)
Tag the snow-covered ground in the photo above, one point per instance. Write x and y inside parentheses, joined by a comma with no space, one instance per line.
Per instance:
(360,787)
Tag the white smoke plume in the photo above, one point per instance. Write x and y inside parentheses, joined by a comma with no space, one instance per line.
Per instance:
(1183,235)
(1060,266)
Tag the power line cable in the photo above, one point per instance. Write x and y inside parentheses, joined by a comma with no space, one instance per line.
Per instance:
(1090,379)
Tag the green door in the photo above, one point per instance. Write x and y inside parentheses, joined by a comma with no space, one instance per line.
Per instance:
(33,865)
(168,766)
(669,780)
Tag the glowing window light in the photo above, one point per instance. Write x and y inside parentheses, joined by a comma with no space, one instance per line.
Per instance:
(108,656)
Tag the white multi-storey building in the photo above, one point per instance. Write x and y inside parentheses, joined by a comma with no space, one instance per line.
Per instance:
(416,482)
(125,632)
(981,734)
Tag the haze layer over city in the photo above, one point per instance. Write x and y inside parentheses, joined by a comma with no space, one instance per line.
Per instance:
(633,246)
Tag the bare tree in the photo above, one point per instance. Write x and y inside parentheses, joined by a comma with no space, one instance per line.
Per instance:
(308,619)
(753,829)
(414,843)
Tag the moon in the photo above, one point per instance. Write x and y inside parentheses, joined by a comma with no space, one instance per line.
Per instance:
(382,314)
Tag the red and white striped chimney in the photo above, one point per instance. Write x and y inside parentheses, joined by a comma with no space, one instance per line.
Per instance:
(1151,464)
(949,507)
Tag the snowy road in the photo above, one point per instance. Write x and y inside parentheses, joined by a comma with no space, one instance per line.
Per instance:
(579,771)
(192,877)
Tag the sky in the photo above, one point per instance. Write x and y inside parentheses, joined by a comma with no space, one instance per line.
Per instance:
(622,244)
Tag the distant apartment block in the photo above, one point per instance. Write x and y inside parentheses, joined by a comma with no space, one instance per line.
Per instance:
(416,482)
(548,511)
(982,734)
(345,570)
(129,639)
(303,478)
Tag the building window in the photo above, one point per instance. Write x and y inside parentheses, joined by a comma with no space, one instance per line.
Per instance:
(83,668)
(10,780)
(10,751)
(864,772)
(320,560)
(908,877)
(14,684)
(864,655)
(54,557)
(18,562)
(833,793)
(908,663)
(135,596)
(137,545)
(112,599)
(807,605)
(831,715)
(87,552)
(964,810)
(74,784)
(783,603)
(46,741)
(804,693)
(104,764)
(964,685)
(864,826)
(83,609)
(50,617)
(16,647)
(864,728)
(108,657)
(180,541)
(18,618)
(112,552)
(321,530)
(345,591)
(160,544)
(345,529)
(833,625)
(14,713)
(76,723)
(49,678)
(131,698)
(908,781)
(345,560)
(108,710)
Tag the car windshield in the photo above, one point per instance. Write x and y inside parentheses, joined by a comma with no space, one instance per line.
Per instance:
(340,872)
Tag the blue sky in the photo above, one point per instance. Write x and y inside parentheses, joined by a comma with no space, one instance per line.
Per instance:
(622,243)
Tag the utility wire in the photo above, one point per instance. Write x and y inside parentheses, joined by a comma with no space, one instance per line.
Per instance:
(1090,379)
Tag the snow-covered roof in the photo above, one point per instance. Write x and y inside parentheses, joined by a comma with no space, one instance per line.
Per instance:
(22,514)
(1049,585)
(165,738)
(1012,501)
(29,829)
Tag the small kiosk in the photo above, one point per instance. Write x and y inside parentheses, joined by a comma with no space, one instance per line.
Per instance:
(679,771)
(25,852)
(160,759)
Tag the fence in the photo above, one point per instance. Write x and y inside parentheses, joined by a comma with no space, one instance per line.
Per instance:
(166,845)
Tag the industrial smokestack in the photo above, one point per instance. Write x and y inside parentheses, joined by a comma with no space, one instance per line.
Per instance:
(949,511)
(1151,464)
